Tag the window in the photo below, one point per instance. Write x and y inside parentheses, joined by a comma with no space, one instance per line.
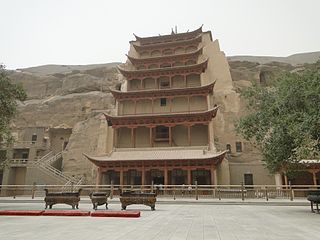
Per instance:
(164,84)
(238,146)
(228,147)
(162,133)
(25,155)
(163,102)
(34,138)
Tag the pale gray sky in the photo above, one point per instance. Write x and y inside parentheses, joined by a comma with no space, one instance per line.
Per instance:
(38,32)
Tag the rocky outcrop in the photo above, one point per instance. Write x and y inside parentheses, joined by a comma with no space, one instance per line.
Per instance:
(68,109)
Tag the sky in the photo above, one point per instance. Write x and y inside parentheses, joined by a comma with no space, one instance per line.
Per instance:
(76,32)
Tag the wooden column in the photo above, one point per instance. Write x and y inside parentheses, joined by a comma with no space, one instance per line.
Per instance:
(189,135)
(133,139)
(170,99)
(213,173)
(188,103)
(170,136)
(185,80)
(115,137)
(170,81)
(121,178)
(209,137)
(151,136)
(165,175)
(189,176)
(314,177)
(141,84)
(135,106)
(152,104)
(99,176)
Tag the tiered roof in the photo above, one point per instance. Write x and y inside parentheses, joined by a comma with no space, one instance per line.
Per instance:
(195,117)
(165,58)
(157,72)
(175,153)
(158,93)
(168,38)
(158,46)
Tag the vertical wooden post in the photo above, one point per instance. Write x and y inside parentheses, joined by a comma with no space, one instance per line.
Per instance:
(151,136)
(185,80)
(170,136)
(99,175)
(135,106)
(115,138)
(141,84)
(209,145)
(212,172)
(121,178)
(170,99)
(188,103)
(165,173)
(215,175)
(314,176)
(189,176)
(132,144)
(134,137)
(152,105)
(189,135)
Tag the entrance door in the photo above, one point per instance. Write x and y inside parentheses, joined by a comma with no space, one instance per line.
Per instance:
(179,180)
(158,180)
(248,179)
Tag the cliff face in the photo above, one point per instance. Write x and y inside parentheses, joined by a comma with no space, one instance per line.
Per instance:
(78,96)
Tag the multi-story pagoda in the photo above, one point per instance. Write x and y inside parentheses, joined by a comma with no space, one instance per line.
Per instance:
(162,131)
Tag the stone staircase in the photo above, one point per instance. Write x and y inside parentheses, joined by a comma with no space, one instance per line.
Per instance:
(44,164)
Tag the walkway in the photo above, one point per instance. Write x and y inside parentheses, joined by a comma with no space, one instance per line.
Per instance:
(169,221)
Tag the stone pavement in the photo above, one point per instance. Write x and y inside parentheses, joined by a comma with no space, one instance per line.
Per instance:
(175,220)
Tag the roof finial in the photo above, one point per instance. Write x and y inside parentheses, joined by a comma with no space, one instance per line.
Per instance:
(176,29)
(172,32)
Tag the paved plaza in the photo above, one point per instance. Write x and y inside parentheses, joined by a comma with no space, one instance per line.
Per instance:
(170,221)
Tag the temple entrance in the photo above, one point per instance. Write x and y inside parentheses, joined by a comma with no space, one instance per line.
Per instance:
(111,176)
(156,176)
(132,177)
(201,176)
(178,177)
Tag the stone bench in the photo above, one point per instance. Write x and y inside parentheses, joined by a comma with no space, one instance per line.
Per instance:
(129,198)
(99,198)
(314,198)
(69,198)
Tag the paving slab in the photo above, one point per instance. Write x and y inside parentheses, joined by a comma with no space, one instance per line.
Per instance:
(169,221)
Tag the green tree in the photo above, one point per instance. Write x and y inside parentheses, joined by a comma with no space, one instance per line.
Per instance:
(10,93)
(283,119)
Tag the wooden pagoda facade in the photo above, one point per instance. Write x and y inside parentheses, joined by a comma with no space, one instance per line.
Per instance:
(162,131)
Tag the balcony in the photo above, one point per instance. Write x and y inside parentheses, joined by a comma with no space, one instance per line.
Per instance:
(18,162)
